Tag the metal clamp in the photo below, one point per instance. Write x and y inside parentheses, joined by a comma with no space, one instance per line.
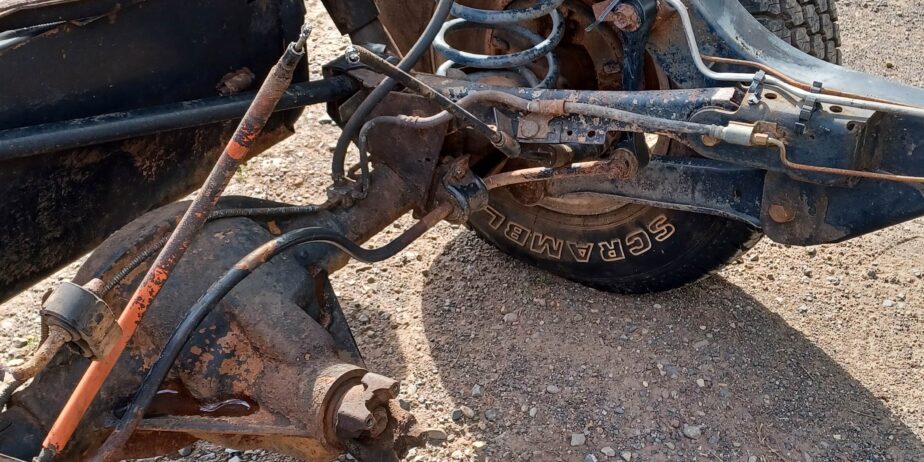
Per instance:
(756,90)
(809,106)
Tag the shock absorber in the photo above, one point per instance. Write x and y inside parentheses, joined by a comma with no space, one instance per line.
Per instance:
(508,21)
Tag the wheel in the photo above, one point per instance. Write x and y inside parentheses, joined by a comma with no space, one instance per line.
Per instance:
(809,25)
(632,249)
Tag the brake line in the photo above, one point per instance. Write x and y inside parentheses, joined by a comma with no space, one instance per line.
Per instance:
(773,81)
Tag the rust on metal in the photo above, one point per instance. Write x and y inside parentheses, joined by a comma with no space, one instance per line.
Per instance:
(616,169)
(236,82)
(57,337)
(625,17)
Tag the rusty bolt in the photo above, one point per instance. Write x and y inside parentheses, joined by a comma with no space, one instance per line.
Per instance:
(626,18)
(529,128)
(781,214)
(711,141)
(612,67)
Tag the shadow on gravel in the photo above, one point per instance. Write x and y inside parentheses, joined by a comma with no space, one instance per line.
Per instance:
(702,372)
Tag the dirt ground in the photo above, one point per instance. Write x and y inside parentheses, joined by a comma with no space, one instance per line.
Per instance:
(789,354)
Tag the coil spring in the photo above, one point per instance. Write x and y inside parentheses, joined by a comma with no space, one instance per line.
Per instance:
(507,20)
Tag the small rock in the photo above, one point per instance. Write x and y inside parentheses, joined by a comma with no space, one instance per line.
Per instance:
(405,404)
(234,459)
(479,445)
(20,343)
(510,318)
(185,452)
(700,383)
(669,445)
(435,434)
(456,415)
(701,344)
(477,391)
(590,458)
(608,451)
(626,456)
(578,439)
(457,455)
(467,412)
(533,411)
(553,389)
(752,459)
(888,303)
(491,415)
(692,431)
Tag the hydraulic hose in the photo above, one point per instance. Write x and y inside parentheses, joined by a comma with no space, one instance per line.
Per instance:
(216,215)
(132,417)
(352,126)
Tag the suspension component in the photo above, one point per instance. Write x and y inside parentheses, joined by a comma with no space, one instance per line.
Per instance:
(79,311)
(507,20)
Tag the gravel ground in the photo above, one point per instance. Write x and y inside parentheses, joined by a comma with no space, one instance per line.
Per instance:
(789,354)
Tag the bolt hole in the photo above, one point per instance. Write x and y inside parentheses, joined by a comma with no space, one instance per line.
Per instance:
(771,95)
(591,134)
(570,133)
(851,126)
(837,109)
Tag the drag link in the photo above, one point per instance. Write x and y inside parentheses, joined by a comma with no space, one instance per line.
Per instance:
(109,451)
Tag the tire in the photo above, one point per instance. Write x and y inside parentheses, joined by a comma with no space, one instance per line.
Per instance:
(809,25)
(638,249)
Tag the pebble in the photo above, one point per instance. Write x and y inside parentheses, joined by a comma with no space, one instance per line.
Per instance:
(692,431)
(590,458)
(435,434)
(888,303)
(626,456)
(185,452)
(578,439)
(510,318)
(467,412)
(491,415)
(553,389)
(701,344)
(456,415)
(234,459)
(458,455)
(669,445)
(752,459)
(405,404)
(533,411)
(700,383)
(477,391)
(608,451)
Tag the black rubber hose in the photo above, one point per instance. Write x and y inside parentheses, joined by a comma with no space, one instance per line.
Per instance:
(230,280)
(358,119)
(146,254)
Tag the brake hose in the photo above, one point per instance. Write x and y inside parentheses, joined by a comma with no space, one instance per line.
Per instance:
(356,121)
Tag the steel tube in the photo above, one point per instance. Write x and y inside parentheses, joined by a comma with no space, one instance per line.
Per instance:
(28,141)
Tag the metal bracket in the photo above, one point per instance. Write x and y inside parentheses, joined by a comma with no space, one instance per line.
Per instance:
(809,106)
(756,90)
